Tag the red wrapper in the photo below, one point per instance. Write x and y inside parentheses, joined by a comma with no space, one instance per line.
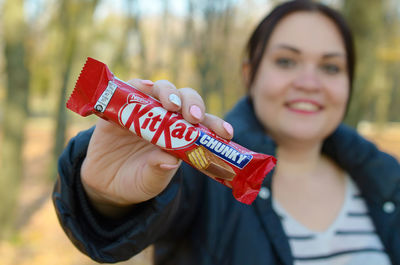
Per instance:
(99,92)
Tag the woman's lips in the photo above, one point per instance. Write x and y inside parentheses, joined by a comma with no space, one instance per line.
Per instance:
(304,106)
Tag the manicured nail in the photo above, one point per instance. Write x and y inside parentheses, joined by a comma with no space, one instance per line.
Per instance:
(147,82)
(175,100)
(168,166)
(195,111)
(228,128)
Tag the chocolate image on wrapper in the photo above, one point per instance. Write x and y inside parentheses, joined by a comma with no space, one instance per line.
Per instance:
(203,159)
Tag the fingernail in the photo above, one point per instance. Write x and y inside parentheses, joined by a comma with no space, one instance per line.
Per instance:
(147,82)
(168,166)
(228,128)
(175,100)
(195,111)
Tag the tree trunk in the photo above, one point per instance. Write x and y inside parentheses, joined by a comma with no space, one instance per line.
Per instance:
(61,115)
(181,44)
(212,53)
(132,27)
(69,25)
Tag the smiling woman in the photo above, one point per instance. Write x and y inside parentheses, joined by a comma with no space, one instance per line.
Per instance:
(332,199)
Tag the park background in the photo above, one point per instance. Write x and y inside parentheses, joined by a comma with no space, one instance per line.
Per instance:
(196,43)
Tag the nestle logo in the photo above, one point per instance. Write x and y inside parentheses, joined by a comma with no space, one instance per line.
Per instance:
(135,98)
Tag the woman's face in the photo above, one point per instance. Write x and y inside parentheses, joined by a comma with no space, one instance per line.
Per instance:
(301,87)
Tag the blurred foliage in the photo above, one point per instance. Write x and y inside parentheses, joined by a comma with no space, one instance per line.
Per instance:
(207,40)
(200,47)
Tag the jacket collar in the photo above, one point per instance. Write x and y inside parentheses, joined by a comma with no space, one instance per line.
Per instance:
(376,173)
(248,129)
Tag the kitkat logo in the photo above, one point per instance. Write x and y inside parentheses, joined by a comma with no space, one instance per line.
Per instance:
(157,125)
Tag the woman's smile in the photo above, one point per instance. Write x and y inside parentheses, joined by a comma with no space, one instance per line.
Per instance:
(304,106)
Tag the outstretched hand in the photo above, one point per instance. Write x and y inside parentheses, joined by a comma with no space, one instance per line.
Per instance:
(122,169)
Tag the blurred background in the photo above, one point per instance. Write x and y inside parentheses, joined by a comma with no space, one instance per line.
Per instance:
(195,43)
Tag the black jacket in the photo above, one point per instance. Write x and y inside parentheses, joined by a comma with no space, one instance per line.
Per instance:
(197,221)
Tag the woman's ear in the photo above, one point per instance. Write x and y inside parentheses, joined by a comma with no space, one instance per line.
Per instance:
(246,73)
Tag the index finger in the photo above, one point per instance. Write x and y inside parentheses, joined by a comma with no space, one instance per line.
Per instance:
(162,90)
(146,86)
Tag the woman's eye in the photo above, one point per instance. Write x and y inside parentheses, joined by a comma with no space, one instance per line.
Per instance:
(330,68)
(285,62)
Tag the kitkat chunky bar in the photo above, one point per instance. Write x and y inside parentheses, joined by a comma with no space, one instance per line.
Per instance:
(99,92)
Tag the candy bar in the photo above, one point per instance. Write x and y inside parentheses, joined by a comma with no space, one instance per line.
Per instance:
(99,92)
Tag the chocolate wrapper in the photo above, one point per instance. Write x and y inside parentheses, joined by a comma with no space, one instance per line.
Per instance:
(99,92)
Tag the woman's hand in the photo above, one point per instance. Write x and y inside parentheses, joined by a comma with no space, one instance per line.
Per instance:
(122,169)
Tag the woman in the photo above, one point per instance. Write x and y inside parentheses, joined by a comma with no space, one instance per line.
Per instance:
(331,199)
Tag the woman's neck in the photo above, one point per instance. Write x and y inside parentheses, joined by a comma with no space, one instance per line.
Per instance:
(308,185)
(300,161)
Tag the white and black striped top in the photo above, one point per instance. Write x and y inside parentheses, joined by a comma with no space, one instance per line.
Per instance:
(350,240)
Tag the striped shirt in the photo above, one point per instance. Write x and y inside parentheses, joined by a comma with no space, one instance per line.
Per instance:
(350,240)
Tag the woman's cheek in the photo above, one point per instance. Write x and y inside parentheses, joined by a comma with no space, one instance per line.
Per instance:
(270,86)
(338,87)
(340,93)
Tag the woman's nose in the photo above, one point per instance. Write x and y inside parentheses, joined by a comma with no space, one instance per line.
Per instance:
(308,79)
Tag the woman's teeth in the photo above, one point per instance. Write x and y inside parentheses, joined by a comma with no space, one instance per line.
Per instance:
(306,106)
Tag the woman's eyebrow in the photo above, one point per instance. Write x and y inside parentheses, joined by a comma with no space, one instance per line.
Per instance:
(333,54)
(288,47)
(296,50)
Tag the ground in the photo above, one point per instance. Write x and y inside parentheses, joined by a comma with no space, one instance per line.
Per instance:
(40,239)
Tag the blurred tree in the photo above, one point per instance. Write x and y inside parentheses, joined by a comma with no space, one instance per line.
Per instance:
(211,51)
(375,25)
(69,19)
(164,36)
(389,53)
(132,30)
(181,43)
(365,19)
(15,110)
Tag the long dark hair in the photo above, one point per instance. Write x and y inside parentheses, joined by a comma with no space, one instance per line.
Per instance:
(259,39)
